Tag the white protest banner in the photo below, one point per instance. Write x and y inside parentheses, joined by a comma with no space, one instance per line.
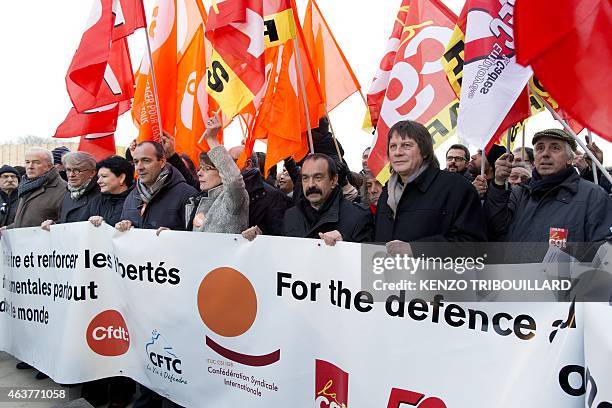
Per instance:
(214,320)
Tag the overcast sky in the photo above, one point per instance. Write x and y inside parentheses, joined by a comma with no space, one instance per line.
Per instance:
(39,38)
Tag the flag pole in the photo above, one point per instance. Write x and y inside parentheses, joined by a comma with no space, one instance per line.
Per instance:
(569,130)
(331,128)
(155,95)
(483,157)
(523,142)
(508,142)
(244,135)
(592,164)
(298,63)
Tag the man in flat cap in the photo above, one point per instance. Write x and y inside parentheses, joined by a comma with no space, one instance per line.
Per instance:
(557,206)
(9,180)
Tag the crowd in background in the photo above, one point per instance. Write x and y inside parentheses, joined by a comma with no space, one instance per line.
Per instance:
(521,197)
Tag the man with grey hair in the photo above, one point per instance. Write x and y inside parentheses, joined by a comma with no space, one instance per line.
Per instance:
(40,191)
(82,188)
(557,205)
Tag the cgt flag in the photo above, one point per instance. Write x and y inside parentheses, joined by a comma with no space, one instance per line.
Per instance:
(410,82)
(493,89)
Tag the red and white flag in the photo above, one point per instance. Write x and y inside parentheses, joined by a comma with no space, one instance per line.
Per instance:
(493,89)
(410,83)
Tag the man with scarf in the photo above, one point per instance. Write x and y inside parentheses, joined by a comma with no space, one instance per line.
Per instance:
(9,196)
(556,206)
(420,202)
(82,187)
(322,211)
(159,199)
(41,190)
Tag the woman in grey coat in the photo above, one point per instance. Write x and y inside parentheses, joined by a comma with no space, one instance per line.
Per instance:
(223,204)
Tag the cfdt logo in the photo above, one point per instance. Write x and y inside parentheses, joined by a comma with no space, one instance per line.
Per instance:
(331,386)
(413,399)
(107,334)
(227,303)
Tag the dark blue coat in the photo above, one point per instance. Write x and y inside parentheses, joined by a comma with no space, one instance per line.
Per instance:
(166,208)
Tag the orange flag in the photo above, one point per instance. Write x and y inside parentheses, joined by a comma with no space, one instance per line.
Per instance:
(162,36)
(193,102)
(337,79)
(281,117)
(180,52)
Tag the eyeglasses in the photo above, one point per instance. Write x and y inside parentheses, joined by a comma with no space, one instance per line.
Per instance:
(207,168)
(76,172)
(455,159)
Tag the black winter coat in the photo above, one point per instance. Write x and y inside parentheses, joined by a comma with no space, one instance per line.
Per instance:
(267,204)
(109,206)
(351,220)
(438,206)
(78,210)
(166,208)
(8,207)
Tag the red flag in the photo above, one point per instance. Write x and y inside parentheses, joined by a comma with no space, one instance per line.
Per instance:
(99,147)
(102,120)
(101,71)
(99,81)
(129,16)
(569,51)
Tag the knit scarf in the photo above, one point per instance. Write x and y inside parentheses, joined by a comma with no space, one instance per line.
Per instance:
(77,192)
(146,193)
(541,186)
(395,187)
(27,186)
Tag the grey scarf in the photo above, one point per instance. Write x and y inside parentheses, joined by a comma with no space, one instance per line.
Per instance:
(146,193)
(395,187)
(26,186)
(77,192)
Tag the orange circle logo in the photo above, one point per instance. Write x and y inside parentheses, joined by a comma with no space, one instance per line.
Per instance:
(107,334)
(227,302)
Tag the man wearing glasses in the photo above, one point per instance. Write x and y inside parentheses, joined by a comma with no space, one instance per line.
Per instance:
(457,159)
(82,188)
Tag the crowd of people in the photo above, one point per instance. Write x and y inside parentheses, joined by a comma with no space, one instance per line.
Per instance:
(521,196)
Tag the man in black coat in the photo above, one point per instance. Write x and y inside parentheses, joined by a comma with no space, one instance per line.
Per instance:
(420,202)
(9,195)
(322,211)
(160,195)
(267,204)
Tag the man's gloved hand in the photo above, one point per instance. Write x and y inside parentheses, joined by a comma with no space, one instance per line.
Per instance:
(343,171)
